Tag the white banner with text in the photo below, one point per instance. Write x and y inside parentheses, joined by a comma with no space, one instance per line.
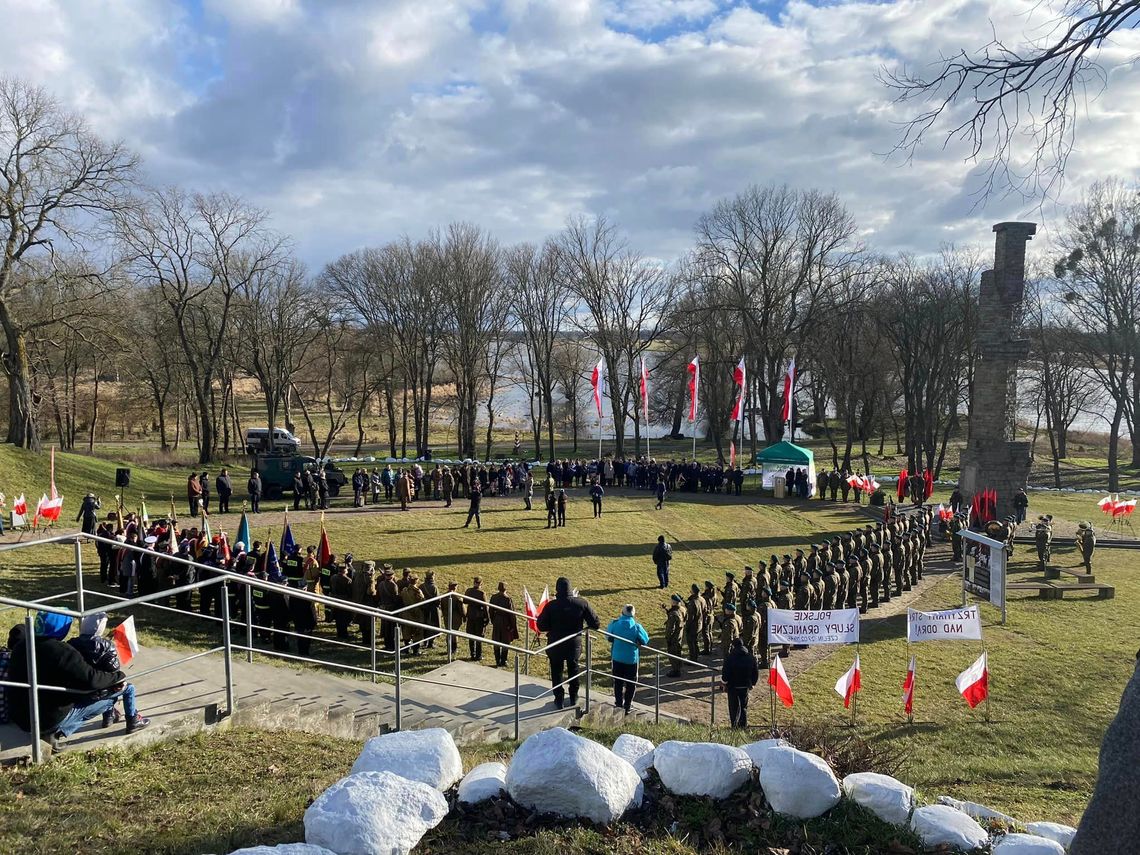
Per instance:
(949,625)
(838,626)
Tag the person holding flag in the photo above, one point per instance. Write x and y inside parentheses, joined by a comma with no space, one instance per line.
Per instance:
(739,675)
(109,656)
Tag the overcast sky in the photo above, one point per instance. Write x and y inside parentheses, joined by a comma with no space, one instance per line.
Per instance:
(353,122)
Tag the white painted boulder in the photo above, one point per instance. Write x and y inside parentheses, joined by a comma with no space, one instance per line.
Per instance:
(284,849)
(1027,844)
(485,781)
(428,756)
(636,751)
(757,750)
(887,798)
(702,768)
(558,772)
(798,784)
(942,825)
(979,812)
(1054,831)
(373,813)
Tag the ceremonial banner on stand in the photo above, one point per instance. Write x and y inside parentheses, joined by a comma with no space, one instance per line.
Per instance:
(948,625)
(839,626)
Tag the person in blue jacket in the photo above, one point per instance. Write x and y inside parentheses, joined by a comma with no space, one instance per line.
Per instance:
(628,636)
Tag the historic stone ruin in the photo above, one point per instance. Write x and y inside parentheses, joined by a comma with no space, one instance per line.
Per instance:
(992,459)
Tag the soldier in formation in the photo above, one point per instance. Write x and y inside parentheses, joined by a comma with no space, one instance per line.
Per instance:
(1086,543)
(1043,539)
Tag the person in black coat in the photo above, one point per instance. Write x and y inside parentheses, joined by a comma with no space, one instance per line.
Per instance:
(225,490)
(204,482)
(739,674)
(563,618)
(93,692)
(476,499)
(253,487)
(87,513)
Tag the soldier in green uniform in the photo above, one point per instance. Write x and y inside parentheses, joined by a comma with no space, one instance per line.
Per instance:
(728,627)
(917,546)
(750,624)
(898,561)
(840,572)
(731,591)
(864,579)
(815,585)
(1043,538)
(762,605)
(695,612)
(813,558)
(876,561)
(747,590)
(674,632)
(711,604)
(801,599)
(799,563)
(853,582)
(1086,543)
(957,523)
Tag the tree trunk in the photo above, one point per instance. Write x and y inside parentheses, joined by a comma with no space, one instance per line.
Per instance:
(548,400)
(23,431)
(404,435)
(390,408)
(1114,449)
(94,412)
(165,446)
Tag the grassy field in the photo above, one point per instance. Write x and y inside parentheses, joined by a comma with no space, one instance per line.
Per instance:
(1057,668)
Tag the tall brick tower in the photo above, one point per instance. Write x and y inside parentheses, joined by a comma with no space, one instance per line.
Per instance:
(992,459)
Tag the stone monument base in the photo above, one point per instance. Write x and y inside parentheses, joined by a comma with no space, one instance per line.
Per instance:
(1000,466)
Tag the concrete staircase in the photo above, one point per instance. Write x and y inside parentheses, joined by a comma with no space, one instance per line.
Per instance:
(473,702)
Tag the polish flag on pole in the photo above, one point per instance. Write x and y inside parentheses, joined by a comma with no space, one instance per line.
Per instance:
(974,682)
(778,680)
(645,390)
(908,689)
(738,378)
(849,683)
(126,641)
(49,508)
(531,611)
(597,380)
(731,454)
(20,512)
(694,386)
(789,386)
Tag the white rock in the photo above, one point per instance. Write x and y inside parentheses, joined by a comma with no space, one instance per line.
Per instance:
(757,750)
(373,813)
(888,799)
(556,771)
(797,783)
(1054,831)
(702,768)
(939,825)
(979,812)
(485,781)
(428,756)
(1027,844)
(284,849)
(636,751)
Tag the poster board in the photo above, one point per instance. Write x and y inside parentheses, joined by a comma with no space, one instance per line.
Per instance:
(983,569)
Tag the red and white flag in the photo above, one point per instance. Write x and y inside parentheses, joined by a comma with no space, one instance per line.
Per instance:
(731,454)
(531,611)
(908,689)
(49,508)
(20,506)
(850,683)
(598,380)
(645,390)
(1107,504)
(778,680)
(974,682)
(126,641)
(1128,507)
(694,386)
(738,376)
(789,387)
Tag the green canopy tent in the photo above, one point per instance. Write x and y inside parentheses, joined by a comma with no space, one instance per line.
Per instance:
(775,460)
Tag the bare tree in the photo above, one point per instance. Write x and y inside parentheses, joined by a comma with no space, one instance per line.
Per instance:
(570,365)
(1018,103)
(629,304)
(56,180)
(1100,272)
(542,302)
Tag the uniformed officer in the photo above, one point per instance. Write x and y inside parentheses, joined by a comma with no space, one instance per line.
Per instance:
(1043,538)
(695,612)
(957,523)
(876,561)
(674,632)
(731,591)
(712,602)
(853,582)
(750,625)
(1086,543)
(728,626)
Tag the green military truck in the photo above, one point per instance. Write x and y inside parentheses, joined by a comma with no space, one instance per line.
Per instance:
(277,470)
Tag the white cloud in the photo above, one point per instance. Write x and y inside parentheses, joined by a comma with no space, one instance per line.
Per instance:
(355,121)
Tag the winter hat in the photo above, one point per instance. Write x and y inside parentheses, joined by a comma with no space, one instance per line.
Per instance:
(51,625)
(93,624)
(628,609)
(676,598)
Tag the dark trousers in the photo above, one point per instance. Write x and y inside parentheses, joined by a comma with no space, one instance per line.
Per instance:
(663,575)
(341,616)
(297,496)
(193,506)
(738,707)
(262,619)
(206,502)
(597,507)
(625,676)
(569,662)
(475,648)
(281,624)
(388,635)
(255,503)
(501,654)
(473,514)
(562,517)
(223,503)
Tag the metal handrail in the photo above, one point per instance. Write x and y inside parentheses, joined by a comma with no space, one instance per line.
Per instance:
(223,577)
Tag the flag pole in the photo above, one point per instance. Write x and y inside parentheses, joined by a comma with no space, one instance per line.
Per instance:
(987,671)
(910,715)
(855,694)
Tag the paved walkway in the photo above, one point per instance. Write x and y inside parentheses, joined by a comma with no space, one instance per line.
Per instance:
(473,702)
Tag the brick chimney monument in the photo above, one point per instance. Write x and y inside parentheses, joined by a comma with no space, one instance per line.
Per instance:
(992,458)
